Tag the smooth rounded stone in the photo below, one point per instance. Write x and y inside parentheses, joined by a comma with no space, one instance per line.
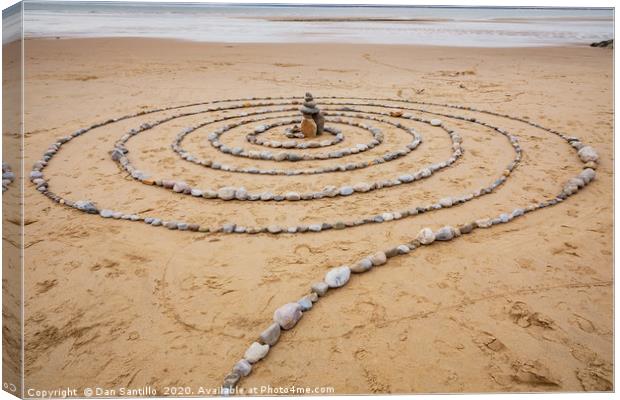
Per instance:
(378,258)
(320,288)
(106,213)
(231,380)
(406,178)
(228,228)
(315,227)
(171,225)
(196,192)
(117,215)
(266,196)
(227,193)
(313,297)
(305,303)
(346,191)
(484,223)
(403,249)
(36,174)
(256,352)
(588,154)
(446,202)
(242,367)
(180,187)
(517,212)
(270,335)
(288,315)
(338,276)
(362,265)
(209,194)
(274,229)
(292,196)
(387,216)
(466,228)
(587,175)
(182,226)
(241,194)
(391,252)
(361,187)
(426,236)
(445,233)
(85,205)
(435,122)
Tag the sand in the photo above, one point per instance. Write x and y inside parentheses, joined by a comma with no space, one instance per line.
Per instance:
(117,304)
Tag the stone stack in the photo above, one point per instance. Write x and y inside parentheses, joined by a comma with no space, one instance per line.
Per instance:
(313,119)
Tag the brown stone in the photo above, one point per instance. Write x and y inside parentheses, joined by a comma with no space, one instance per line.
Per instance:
(308,127)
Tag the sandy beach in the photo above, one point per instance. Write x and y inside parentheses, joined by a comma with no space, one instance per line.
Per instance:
(525,306)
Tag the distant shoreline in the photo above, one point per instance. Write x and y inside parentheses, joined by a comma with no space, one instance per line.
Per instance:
(423,20)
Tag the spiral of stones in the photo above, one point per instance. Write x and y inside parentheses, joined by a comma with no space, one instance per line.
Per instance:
(340,111)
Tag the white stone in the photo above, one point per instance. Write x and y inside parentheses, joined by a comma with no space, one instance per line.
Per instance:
(426,236)
(337,277)
(256,352)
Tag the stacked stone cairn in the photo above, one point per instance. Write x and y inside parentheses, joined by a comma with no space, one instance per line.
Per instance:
(313,119)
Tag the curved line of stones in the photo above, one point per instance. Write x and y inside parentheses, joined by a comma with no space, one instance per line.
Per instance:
(288,315)
(292,143)
(87,206)
(284,156)
(214,137)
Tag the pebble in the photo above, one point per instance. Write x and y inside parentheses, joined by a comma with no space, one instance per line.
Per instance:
(467,228)
(445,233)
(305,303)
(231,380)
(292,196)
(406,178)
(288,315)
(226,193)
(587,175)
(242,367)
(588,154)
(338,276)
(274,229)
(320,288)
(256,352)
(313,297)
(403,249)
(362,266)
(426,236)
(361,187)
(87,206)
(106,213)
(346,190)
(379,258)
(270,335)
(446,202)
(435,122)
(315,227)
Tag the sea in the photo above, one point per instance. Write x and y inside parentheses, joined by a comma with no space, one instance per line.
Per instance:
(235,23)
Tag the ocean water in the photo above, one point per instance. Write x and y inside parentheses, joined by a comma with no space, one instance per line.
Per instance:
(450,26)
